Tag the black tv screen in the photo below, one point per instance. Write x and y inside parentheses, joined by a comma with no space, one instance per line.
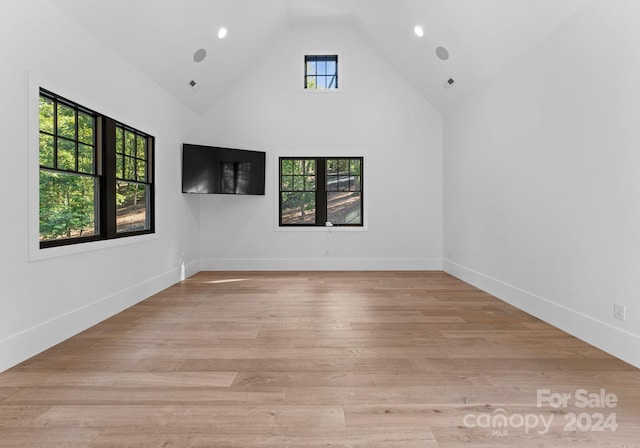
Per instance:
(215,170)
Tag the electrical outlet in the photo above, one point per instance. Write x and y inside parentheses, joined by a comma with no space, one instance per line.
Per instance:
(619,312)
(326,252)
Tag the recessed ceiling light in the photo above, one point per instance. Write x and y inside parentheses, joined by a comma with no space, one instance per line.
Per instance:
(419,31)
(199,55)
(222,33)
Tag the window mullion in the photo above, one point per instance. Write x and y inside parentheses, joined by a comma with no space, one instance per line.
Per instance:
(55,133)
(321,192)
(76,143)
(108,180)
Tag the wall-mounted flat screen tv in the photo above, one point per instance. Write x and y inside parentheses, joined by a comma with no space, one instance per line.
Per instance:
(215,170)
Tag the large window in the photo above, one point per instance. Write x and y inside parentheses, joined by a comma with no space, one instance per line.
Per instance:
(320,190)
(69,176)
(96,175)
(321,72)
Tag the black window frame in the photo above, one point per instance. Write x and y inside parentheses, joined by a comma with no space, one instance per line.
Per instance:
(147,180)
(321,191)
(105,173)
(315,58)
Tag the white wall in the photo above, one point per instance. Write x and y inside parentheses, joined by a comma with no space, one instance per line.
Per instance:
(45,301)
(542,180)
(376,114)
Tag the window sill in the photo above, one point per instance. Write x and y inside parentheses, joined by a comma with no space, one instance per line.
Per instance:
(321,229)
(37,254)
(320,91)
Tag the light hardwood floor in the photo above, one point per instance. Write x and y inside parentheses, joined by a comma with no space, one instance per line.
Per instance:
(323,359)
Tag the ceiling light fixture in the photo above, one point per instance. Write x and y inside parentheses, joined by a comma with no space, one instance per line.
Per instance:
(419,31)
(222,33)
(442,53)
(199,55)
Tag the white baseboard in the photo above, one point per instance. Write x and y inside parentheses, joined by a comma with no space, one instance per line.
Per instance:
(613,340)
(321,264)
(23,345)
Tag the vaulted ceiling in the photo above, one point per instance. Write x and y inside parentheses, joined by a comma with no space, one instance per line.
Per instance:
(160,37)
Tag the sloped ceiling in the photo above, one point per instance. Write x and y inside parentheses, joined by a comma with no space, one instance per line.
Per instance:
(160,37)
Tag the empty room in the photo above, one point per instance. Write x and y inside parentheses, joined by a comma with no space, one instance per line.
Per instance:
(320,223)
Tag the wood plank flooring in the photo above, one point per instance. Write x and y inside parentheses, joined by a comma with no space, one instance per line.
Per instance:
(319,359)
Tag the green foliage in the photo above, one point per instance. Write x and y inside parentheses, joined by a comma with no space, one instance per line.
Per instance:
(128,193)
(67,200)
(286,167)
(66,205)
(66,125)
(298,187)
(129,143)
(310,167)
(119,140)
(141,148)
(310,79)
(121,197)
(311,82)
(355,167)
(302,202)
(131,155)
(46,151)
(85,158)
(66,155)
(86,126)
(46,115)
